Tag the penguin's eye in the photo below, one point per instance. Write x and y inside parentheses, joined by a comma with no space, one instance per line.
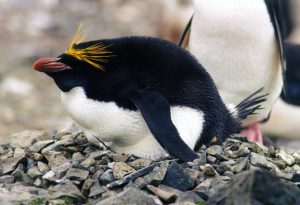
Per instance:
(94,55)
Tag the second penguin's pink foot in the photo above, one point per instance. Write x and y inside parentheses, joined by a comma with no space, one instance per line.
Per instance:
(253,133)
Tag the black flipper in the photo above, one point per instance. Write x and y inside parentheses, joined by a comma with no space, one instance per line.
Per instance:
(155,110)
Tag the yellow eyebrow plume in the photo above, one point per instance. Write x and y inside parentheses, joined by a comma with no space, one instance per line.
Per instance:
(97,52)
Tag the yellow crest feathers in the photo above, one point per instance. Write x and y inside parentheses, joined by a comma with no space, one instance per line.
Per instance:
(93,55)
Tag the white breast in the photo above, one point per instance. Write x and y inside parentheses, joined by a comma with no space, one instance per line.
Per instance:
(125,129)
(235,41)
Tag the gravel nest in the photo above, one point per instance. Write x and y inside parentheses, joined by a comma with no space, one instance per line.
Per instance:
(41,167)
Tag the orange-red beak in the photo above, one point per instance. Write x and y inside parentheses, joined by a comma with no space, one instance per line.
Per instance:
(49,65)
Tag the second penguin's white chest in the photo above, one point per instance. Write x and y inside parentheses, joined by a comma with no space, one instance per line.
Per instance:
(127,129)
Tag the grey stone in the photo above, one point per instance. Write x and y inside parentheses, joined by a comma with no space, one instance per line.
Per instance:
(129,197)
(9,153)
(157,175)
(39,145)
(176,177)
(242,151)
(106,177)
(280,174)
(77,156)
(208,170)
(35,156)
(189,196)
(27,180)
(120,169)
(66,188)
(215,149)
(278,162)
(18,172)
(34,172)
(139,183)
(61,170)
(97,174)
(96,189)
(296,156)
(55,158)
(18,152)
(38,182)
(16,194)
(87,185)
(97,155)
(43,168)
(50,176)
(77,174)
(287,158)
(228,173)
(7,179)
(9,164)
(260,161)
(140,163)
(240,165)
(193,174)
(211,159)
(88,162)
(259,148)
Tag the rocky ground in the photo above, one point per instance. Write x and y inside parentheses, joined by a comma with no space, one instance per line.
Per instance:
(40,167)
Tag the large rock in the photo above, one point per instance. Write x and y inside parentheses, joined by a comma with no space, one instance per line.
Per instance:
(176,177)
(9,164)
(256,187)
(129,197)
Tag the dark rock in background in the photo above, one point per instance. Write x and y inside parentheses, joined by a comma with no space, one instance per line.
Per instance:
(256,187)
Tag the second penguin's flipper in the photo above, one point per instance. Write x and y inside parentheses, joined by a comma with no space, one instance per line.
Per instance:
(155,110)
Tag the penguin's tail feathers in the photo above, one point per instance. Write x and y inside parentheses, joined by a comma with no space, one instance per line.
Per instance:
(251,104)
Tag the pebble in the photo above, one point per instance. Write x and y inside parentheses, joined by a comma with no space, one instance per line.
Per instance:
(96,189)
(260,161)
(43,168)
(208,170)
(61,170)
(106,177)
(39,145)
(140,163)
(88,162)
(55,158)
(77,174)
(214,150)
(9,164)
(287,158)
(34,172)
(18,152)
(120,169)
(77,156)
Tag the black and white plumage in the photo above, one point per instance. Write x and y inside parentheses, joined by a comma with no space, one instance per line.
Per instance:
(151,98)
(240,43)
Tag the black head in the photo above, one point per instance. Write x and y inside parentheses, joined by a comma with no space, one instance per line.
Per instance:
(79,63)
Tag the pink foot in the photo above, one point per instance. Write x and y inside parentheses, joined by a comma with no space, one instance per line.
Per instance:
(253,133)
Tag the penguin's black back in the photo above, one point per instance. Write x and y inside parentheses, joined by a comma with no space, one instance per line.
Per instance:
(156,65)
